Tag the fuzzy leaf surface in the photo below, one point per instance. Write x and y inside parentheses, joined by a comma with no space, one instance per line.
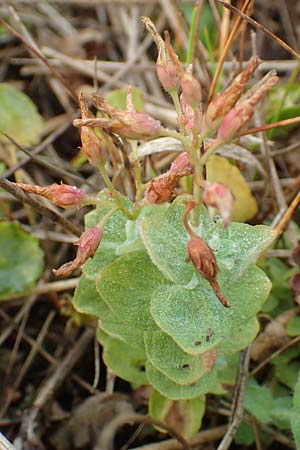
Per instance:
(174,391)
(195,319)
(125,361)
(236,247)
(127,285)
(171,360)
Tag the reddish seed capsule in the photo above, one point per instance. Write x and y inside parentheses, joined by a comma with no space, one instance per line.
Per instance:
(87,246)
(203,258)
(130,124)
(236,119)
(61,195)
(225,100)
(168,67)
(162,188)
(182,165)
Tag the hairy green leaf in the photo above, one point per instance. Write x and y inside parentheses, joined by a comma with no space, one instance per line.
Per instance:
(174,391)
(172,361)
(127,285)
(195,319)
(125,361)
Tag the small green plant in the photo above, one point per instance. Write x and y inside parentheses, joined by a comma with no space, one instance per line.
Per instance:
(175,290)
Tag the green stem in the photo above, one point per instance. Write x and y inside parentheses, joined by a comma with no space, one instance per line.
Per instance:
(115,193)
(192,35)
(210,151)
(186,142)
(175,97)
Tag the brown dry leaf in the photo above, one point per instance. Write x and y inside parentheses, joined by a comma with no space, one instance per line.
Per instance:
(219,169)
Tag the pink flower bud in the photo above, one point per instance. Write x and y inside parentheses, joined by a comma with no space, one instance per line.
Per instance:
(219,196)
(168,67)
(225,100)
(191,118)
(87,246)
(182,165)
(61,195)
(191,89)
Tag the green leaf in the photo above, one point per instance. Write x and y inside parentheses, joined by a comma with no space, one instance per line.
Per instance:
(195,319)
(159,405)
(240,336)
(227,374)
(281,412)
(165,239)
(295,419)
(117,98)
(236,247)
(19,117)
(171,360)
(244,434)
(246,295)
(127,285)
(87,299)
(21,260)
(288,373)
(259,401)
(293,327)
(167,387)
(114,234)
(183,415)
(123,360)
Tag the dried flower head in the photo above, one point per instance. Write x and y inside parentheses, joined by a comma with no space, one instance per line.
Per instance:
(236,119)
(203,258)
(162,188)
(87,246)
(168,67)
(92,145)
(61,195)
(219,196)
(130,124)
(182,165)
(225,100)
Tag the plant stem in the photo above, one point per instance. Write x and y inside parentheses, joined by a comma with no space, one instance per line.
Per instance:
(193,31)
(137,172)
(210,151)
(114,193)
(175,97)
(187,144)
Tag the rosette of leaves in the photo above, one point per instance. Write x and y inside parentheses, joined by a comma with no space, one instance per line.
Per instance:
(160,322)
